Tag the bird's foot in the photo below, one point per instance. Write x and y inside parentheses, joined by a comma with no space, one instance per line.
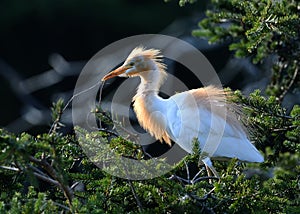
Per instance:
(211,171)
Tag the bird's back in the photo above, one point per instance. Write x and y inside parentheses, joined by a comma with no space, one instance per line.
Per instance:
(205,114)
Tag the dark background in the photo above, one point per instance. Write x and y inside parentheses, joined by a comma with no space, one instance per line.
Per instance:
(37,35)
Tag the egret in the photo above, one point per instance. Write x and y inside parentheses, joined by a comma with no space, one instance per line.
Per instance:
(195,113)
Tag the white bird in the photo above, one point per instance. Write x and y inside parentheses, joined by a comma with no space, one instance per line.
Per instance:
(197,113)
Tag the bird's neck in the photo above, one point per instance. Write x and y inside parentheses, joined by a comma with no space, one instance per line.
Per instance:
(150,82)
(147,92)
(149,107)
(151,114)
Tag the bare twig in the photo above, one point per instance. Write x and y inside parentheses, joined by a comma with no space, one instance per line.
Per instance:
(10,168)
(198,173)
(39,174)
(140,206)
(56,122)
(206,178)
(62,206)
(180,179)
(193,181)
(108,131)
(47,179)
(52,172)
(287,88)
(283,129)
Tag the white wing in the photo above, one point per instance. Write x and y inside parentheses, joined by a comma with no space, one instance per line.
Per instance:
(186,120)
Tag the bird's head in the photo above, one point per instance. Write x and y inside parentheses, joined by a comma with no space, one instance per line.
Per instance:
(138,61)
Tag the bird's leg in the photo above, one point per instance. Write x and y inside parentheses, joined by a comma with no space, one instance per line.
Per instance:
(211,171)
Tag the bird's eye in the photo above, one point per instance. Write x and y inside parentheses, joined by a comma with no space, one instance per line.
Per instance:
(131,64)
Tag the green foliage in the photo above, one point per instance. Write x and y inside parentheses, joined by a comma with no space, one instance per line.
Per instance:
(273,127)
(183,2)
(42,174)
(37,172)
(259,28)
(279,194)
(35,203)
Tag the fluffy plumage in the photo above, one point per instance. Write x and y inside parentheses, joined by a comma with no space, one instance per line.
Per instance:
(202,113)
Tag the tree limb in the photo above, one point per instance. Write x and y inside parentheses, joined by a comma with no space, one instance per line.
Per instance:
(52,172)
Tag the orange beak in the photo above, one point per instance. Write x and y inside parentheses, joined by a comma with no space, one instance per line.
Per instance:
(115,73)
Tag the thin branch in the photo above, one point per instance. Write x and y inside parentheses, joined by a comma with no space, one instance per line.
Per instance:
(37,170)
(140,206)
(62,206)
(206,178)
(198,173)
(192,181)
(286,89)
(180,179)
(108,131)
(56,122)
(39,174)
(51,171)
(284,129)
(47,179)
(10,168)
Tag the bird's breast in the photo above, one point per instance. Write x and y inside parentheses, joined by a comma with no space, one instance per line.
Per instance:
(151,116)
